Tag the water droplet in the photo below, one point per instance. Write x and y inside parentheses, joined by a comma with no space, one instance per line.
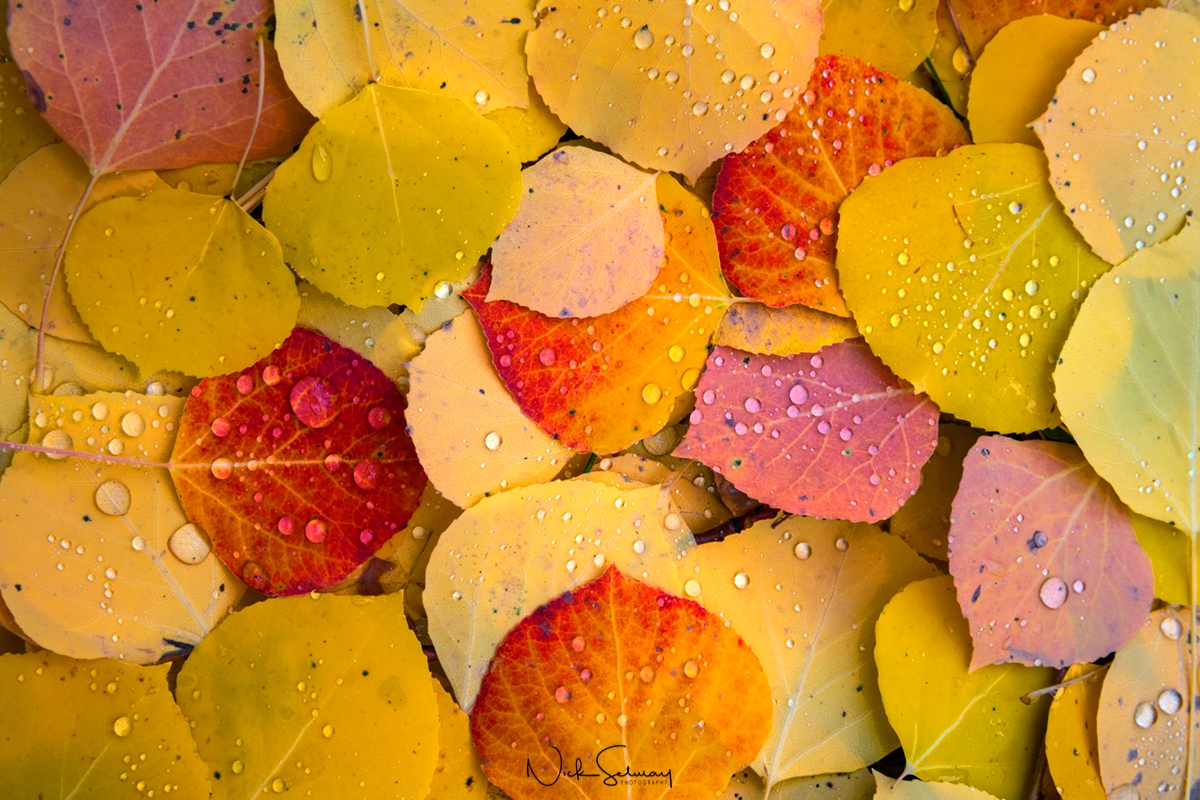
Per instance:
(676,353)
(1192,145)
(692,588)
(112,498)
(327,731)
(578,643)
(238,767)
(907,5)
(221,427)
(643,38)
(546,356)
(138,544)
(798,394)
(1089,75)
(314,402)
(1170,701)
(123,727)
(651,393)
(221,468)
(1171,628)
(99,411)
(286,525)
(895,320)
(647,674)
(752,405)
(639,546)
(741,580)
(271,375)
(1145,715)
(133,424)
(1015,208)
(842,544)
(803,551)
(699,108)
(315,531)
(960,62)
(1078,586)
(562,694)
(492,441)
(1031,288)
(672,77)
(481,97)
(1053,592)
(691,669)
(189,544)
(322,163)
(245,385)
(254,575)
(58,440)
(767,50)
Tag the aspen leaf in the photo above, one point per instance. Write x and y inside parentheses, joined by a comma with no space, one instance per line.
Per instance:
(758,328)
(1044,557)
(181,281)
(1072,750)
(831,434)
(217,179)
(114,567)
(587,239)
(458,775)
(471,437)
(857,785)
(523,542)
(1009,90)
(891,789)
(805,596)
(453,184)
(970,727)
(1145,69)
(924,521)
(467,50)
(375,333)
(776,203)
(604,383)
(340,684)
(678,86)
(22,130)
(602,663)
(299,467)
(933,252)
(892,36)
(39,196)
(1170,550)
(158,86)
(532,131)
(69,726)
(1124,379)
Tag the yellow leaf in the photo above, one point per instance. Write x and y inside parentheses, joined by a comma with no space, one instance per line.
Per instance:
(1125,380)
(891,35)
(673,86)
(217,179)
(376,333)
(965,274)
(587,239)
(1144,74)
(22,129)
(151,284)
(1072,751)
(38,198)
(453,184)
(458,775)
(890,789)
(112,568)
(924,521)
(438,310)
(468,50)
(532,131)
(313,695)
(470,435)
(805,596)
(965,727)
(857,785)
(1169,549)
(757,328)
(949,60)
(531,545)
(71,727)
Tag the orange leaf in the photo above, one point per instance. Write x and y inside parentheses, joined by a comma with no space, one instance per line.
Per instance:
(776,204)
(631,681)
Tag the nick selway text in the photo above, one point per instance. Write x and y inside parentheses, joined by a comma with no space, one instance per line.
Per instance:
(612,774)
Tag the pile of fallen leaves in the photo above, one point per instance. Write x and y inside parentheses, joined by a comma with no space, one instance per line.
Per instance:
(693,398)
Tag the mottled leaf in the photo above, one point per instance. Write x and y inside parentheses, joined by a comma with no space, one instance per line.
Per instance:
(786,331)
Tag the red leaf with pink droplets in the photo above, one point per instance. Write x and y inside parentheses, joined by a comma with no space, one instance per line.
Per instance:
(155,85)
(776,204)
(620,663)
(832,434)
(299,468)
(1045,560)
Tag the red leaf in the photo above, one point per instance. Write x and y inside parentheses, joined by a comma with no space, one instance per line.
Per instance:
(298,468)
(154,85)
(659,681)
(776,203)
(1044,556)
(832,435)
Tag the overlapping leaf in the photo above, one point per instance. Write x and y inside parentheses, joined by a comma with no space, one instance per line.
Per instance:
(758,328)
(890,789)
(891,36)
(22,130)
(832,434)
(1170,551)
(1072,749)
(375,332)
(658,681)
(458,775)
(532,131)
(300,467)
(924,521)
(776,203)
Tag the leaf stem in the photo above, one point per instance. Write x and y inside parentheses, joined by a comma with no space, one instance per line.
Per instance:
(262,84)
(61,453)
(962,39)
(255,194)
(362,15)
(1036,693)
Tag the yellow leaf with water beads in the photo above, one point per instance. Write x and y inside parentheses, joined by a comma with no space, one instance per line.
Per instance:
(532,131)
(95,729)
(321,696)
(891,35)
(964,275)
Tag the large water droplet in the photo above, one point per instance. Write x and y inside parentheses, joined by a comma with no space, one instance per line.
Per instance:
(1171,628)
(1144,715)
(221,427)
(58,440)
(546,356)
(691,669)
(767,50)
(692,588)
(1053,592)
(741,580)
(1089,75)
(315,531)
(1170,701)
(221,468)
(562,694)
(322,163)
(314,402)
(651,393)
(123,727)
(133,424)
(803,550)
(189,544)
(492,441)
(643,38)
(112,498)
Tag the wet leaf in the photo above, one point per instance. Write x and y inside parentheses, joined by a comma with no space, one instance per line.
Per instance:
(299,467)
(342,687)
(515,551)
(458,774)
(532,131)
(857,785)
(924,521)
(893,37)
(100,560)
(468,50)
(805,596)
(587,239)
(144,87)
(1124,380)
(969,727)
(72,729)
(776,203)
(891,789)
(1143,71)
(830,435)
(1170,550)
(22,130)
(151,286)
(375,333)
(429,222)
(1044,557)
(552,693)
(1009,90)
(1072,751)
(601,384)
(39,196)
(1144,711)
(217,179)
(658,91)
(472,439)
(938,257)
(786,331)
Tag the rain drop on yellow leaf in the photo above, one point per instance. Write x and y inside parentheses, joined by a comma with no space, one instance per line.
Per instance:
(1072,751)
(313,695)
(787,331)
(891,35)
(674,86)
(954,724)
(452,185)
(70,728)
